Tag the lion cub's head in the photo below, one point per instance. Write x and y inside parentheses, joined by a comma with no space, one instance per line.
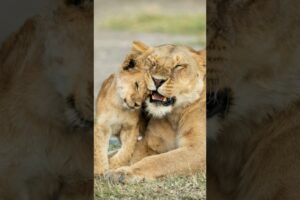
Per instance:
(49,61)
(131,85)
(175,77)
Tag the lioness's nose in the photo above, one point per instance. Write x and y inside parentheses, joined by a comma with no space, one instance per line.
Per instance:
(158,82)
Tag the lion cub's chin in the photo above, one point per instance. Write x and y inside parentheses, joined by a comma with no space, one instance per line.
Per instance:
(157,111)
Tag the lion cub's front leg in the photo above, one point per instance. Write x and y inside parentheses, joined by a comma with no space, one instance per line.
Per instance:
(101,143)
(128,138)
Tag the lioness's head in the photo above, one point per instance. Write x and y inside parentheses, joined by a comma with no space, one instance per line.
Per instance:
(174,76)
(251,60)
(68,60)
(131,82)
(49,65)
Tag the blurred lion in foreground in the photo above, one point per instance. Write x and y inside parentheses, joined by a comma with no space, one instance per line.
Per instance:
(46,106)
(253,100)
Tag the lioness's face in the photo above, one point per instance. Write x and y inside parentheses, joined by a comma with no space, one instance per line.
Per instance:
(245,55)
(174,78)
(68,62)
(131,84)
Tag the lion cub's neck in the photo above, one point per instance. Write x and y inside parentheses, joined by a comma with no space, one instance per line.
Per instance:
(107,99)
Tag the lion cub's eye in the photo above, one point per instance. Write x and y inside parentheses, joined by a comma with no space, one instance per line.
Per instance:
(130,65)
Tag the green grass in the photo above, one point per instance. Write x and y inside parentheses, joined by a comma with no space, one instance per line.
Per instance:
(171,188)
(168,188)
(157,22)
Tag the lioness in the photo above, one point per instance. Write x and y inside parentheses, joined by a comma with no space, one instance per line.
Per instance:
(118,113)
(46,106)
(254,100)
(176,80)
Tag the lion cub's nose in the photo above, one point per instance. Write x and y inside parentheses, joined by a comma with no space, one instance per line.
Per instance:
(158,82)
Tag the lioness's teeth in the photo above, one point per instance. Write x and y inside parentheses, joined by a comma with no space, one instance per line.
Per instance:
(165,99)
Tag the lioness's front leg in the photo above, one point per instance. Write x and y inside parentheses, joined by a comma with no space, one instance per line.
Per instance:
(179,161)
(154,142)
(128,138)
(101,143)
(141,151)
(188,156)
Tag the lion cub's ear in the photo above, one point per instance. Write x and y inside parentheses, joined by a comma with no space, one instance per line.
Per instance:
(139,47)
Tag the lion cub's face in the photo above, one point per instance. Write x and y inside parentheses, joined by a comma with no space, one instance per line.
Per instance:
(131,85)
(175,78)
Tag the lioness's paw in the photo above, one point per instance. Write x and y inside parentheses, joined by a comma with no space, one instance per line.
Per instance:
(99,172)
(114,164)
(123,175)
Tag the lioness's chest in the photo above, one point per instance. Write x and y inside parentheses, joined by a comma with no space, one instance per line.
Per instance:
(174,120)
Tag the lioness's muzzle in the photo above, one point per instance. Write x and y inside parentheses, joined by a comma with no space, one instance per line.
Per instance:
(157,98)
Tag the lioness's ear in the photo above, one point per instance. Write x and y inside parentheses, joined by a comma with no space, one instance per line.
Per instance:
(201,53)
(139,47)
(194,51)
(200,56)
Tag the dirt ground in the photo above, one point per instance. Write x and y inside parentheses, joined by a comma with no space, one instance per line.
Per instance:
(111,46)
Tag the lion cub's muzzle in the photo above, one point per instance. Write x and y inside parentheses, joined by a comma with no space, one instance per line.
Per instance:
(157,98)
(218,102)
(133,103)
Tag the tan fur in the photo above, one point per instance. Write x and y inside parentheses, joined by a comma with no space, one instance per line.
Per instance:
(117,113)
(174,142)
(253,151)
(45,145)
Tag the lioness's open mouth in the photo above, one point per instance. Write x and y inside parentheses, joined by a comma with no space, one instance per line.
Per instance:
(157,98)
(218,102)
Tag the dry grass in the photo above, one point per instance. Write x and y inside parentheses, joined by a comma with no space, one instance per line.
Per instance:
(171,188)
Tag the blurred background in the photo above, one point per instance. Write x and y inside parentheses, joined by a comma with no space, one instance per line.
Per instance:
(119,22)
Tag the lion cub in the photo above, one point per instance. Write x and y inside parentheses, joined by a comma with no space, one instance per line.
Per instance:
(117,113)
